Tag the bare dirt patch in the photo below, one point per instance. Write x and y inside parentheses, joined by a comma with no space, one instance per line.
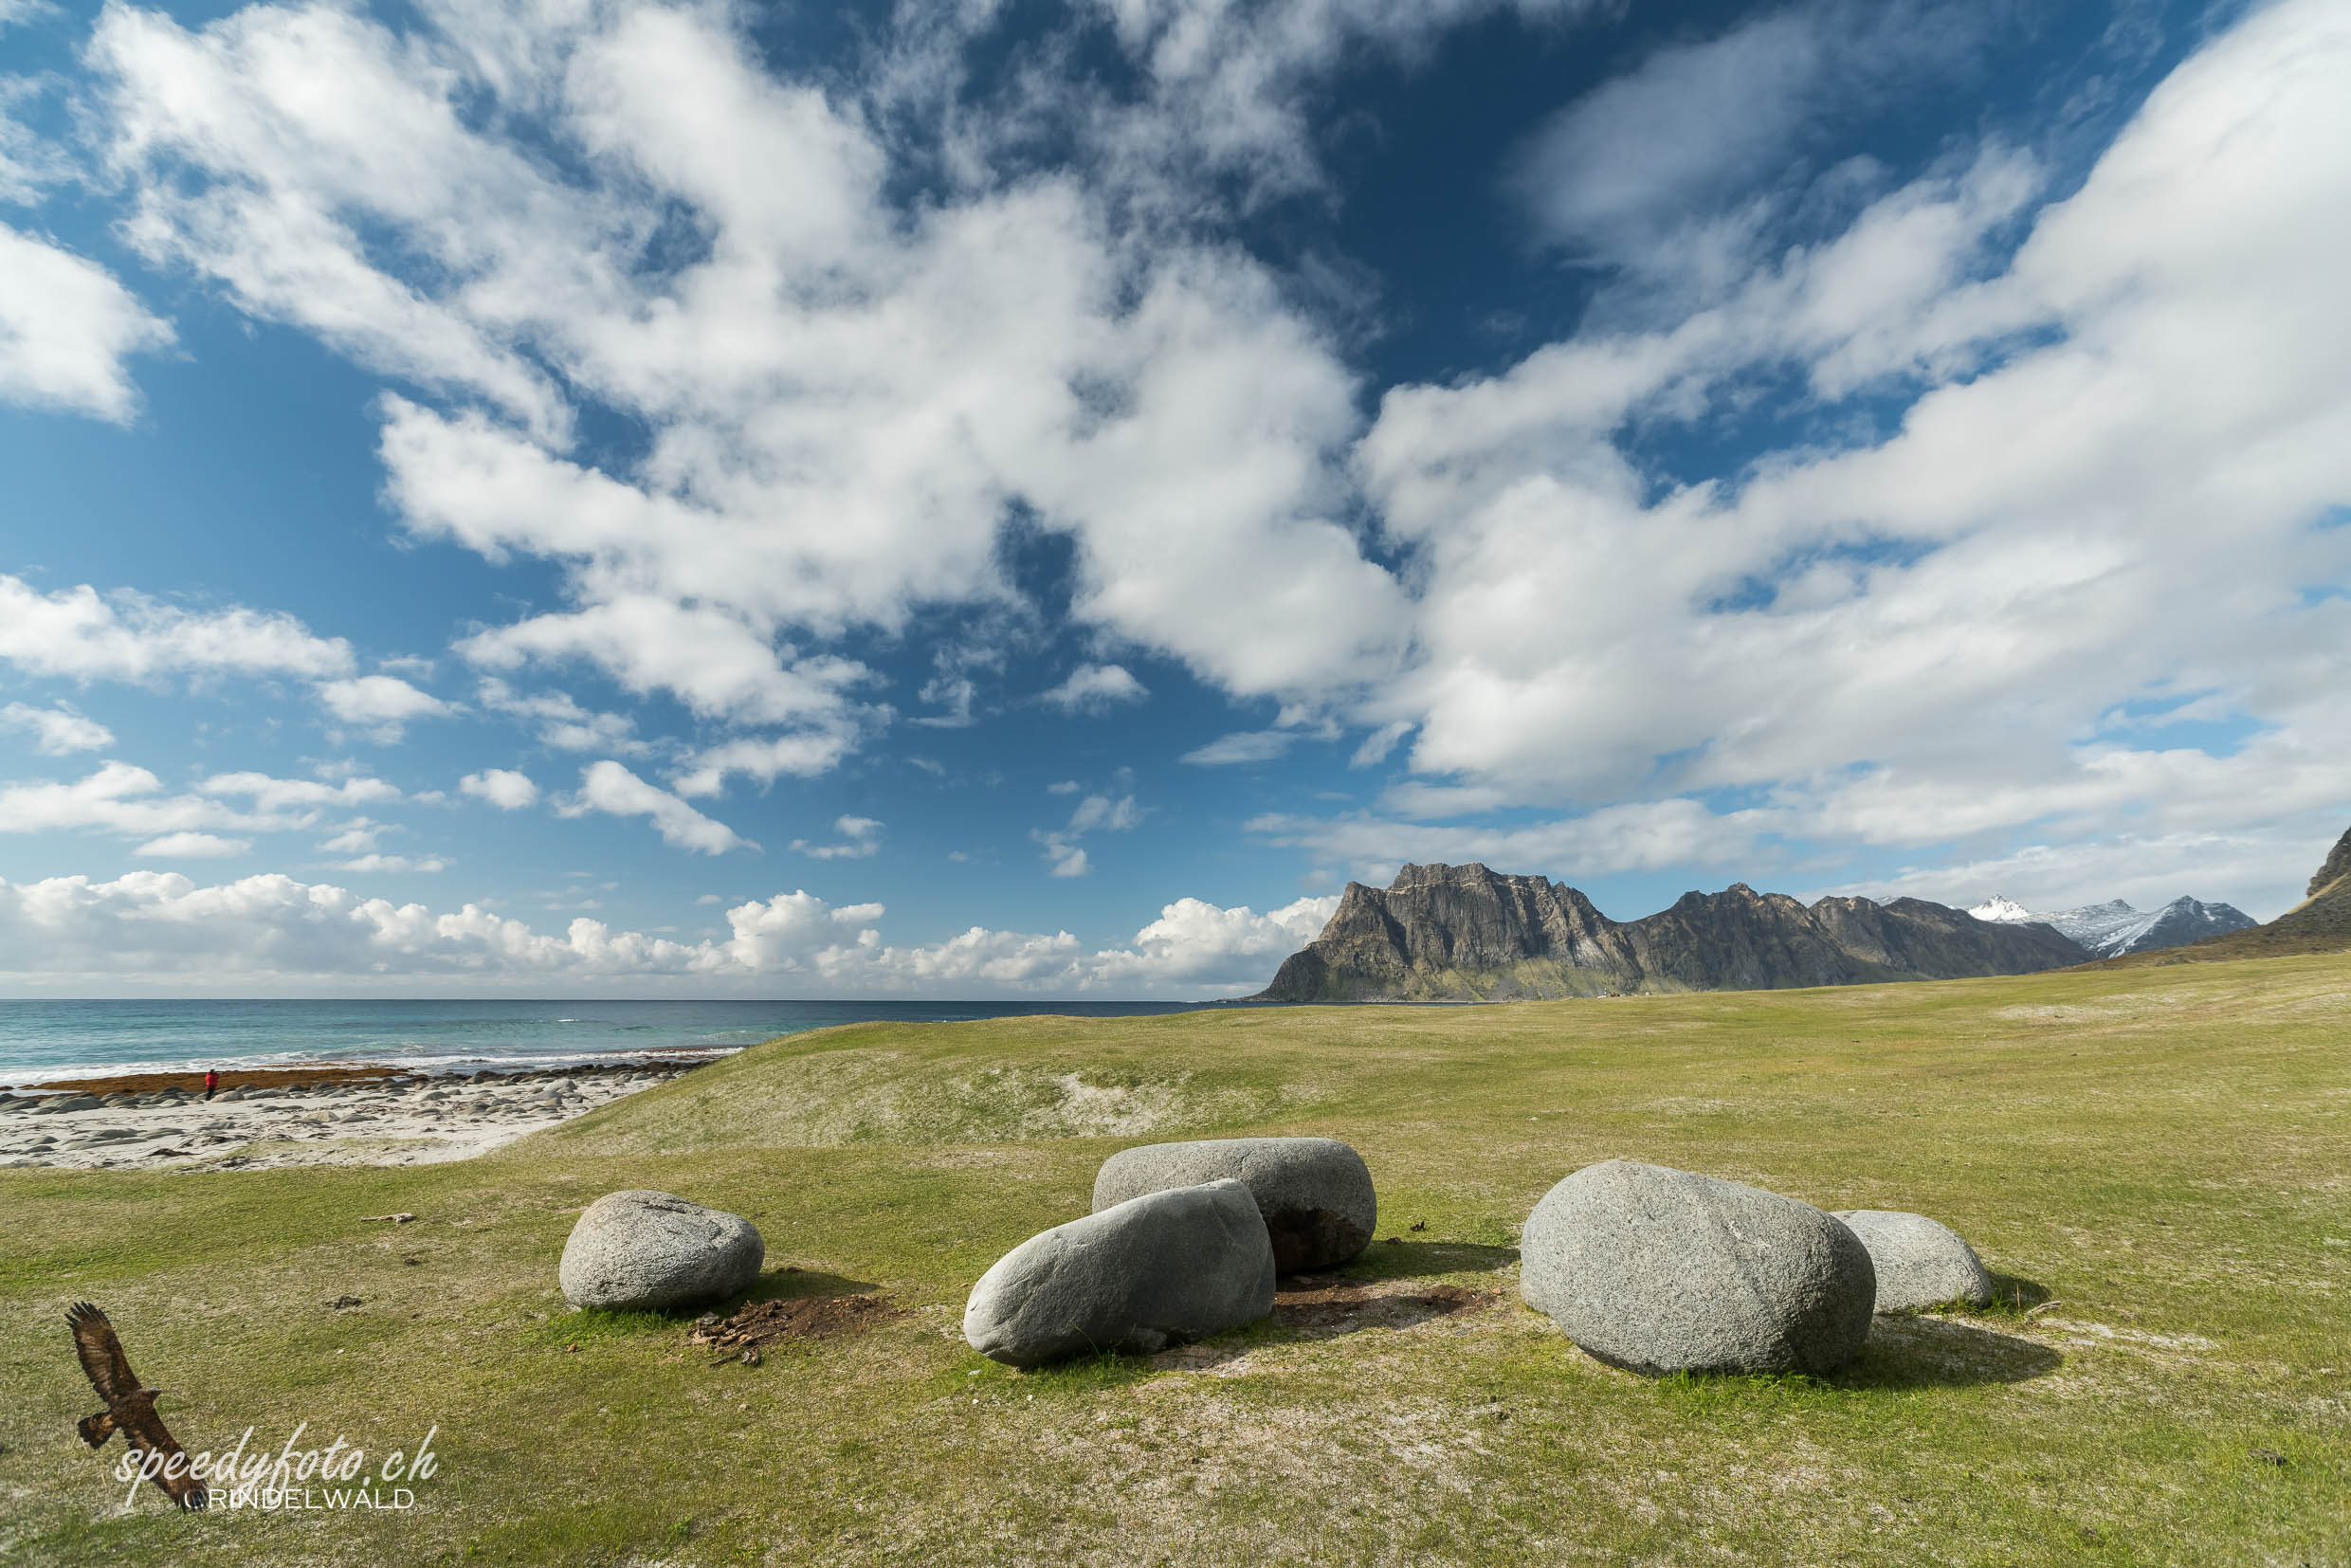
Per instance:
(1324,1307)
(797,1318)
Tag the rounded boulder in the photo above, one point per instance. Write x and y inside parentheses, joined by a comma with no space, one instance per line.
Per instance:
(1315,1194)
(1658,1271)
(648,1251)
(1920,1261)
(1140,1276)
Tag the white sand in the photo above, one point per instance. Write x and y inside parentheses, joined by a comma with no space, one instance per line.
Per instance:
(404,1122)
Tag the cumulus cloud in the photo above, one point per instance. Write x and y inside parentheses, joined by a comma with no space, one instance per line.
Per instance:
(861,837)
(119,797)
(192,847)
(123,635)
(2113,427)
(391,862)
(65,327)
(804,755)
(846,400)
(562,723)
(129,800)
(502,787)
(610,787)
(270,793)
(1952,608)
(57,731)
(1095,689)
(272,932)
(381,704)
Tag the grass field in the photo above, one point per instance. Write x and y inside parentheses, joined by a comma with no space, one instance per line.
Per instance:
(2158,1160)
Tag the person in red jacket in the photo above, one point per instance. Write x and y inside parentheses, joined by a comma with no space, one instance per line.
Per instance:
(212,1081)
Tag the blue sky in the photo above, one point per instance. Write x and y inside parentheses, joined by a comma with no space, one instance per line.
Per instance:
(986,498)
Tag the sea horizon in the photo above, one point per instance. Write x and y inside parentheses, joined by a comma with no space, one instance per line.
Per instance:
(43,1039)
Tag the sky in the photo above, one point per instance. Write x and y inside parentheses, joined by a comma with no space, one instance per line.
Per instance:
(999,498)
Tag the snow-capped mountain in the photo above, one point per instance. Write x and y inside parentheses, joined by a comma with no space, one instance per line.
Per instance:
(2112,928)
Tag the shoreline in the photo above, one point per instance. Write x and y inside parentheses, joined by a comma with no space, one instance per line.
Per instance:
(235,1076)
(344,1114)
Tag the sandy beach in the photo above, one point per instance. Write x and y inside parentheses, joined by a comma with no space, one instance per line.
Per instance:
(308,1116)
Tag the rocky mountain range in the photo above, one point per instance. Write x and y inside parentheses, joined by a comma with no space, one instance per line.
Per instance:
(2106,930)
(1463,933)
(2321,923)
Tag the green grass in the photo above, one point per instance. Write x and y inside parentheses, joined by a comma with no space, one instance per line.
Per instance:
(2159,1155)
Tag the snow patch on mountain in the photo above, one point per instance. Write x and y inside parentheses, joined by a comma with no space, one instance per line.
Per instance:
(2110,929)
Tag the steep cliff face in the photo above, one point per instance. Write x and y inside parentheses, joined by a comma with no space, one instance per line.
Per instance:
(1463,933)
(2337,867)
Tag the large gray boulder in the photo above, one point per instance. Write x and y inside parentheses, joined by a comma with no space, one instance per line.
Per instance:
(1315,1192)
(1140,1276)
(1660,1270)
(1920,1261)
(648,1251)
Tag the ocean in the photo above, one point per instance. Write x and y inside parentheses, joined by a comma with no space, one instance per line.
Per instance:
(43,1040)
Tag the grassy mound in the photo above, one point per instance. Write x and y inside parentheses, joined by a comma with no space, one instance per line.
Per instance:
(2152,1159)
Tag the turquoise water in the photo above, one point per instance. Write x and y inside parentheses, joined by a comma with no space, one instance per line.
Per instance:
(40,1040)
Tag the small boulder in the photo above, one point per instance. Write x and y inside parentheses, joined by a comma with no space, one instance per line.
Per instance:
(1660,1270)
(648,1251)
(1139,1276)
(1315,1192)
(1920,1261)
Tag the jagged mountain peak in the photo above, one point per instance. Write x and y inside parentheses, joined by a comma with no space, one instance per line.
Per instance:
(2113,928)
(1999,906)
(1464,931)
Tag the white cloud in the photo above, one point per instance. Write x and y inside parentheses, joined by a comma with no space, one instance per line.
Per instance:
(1960,601)
(57,731)
(803,754)
(2105,488)
(846,399)
(1095,813)
(384,705)
(1243,746)
(269,933)
(1095,689)
(192,847)
(117,798)
(502,787)
(1661,168)
(610,787)
(77,634)
(355,836)
(278,794)
(861,837)
(29,163)
(391,862)
(65,327)
(563,723)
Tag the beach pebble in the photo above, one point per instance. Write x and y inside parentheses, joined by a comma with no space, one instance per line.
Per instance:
(1140,1276)
(1920,1261)
(1660,1270)
(647,1250)
(1315,1192)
